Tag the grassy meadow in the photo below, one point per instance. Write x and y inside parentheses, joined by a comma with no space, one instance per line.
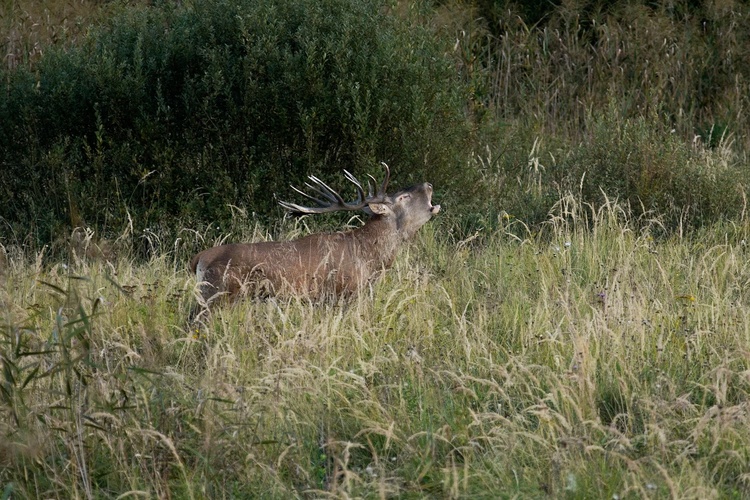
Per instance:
(589,359)
(574,324)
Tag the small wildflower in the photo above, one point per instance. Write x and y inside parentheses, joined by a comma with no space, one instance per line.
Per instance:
(567,244)
(651,486)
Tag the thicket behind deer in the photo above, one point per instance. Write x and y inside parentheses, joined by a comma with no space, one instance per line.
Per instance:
(325,264)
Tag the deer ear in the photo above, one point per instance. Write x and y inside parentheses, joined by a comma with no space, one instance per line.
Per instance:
(380,208)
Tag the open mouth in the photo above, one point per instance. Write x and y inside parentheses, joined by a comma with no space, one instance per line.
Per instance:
(434,209)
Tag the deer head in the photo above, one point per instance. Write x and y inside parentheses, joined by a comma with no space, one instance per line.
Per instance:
(409,208)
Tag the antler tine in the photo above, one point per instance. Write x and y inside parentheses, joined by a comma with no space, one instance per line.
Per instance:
(293,207)
(330,200)
(351,178)
(372,185)
(325,206)
(310,197)
(384,186)
(326,190)
(360,190)
(340,204)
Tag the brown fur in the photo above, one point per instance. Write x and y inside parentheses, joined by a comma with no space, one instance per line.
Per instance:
(319,265)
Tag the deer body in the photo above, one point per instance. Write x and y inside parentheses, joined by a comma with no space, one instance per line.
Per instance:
(318,265)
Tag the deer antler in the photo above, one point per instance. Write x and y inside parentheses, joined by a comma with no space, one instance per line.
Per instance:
(331,201)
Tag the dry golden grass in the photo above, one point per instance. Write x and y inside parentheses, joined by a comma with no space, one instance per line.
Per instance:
(588,360)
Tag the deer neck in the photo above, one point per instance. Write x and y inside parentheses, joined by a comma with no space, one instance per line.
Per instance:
(380,240)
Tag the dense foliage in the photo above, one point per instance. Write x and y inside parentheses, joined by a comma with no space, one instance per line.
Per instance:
(622,98)
(177,112)
(167,115)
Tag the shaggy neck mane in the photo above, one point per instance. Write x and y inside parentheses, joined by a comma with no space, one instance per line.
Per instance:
(380,240)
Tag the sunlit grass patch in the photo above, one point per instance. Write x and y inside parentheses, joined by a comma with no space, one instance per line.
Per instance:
(589,359)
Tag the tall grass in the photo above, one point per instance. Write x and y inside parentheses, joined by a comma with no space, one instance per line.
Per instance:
(623,98)
(592,358)
(29,29)
(683,62)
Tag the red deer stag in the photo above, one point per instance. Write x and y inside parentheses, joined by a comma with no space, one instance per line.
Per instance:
(319,265)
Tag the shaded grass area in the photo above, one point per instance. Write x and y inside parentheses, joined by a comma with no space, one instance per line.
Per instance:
(590,358)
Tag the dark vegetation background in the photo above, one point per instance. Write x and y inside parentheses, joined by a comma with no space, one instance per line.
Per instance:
(165,115)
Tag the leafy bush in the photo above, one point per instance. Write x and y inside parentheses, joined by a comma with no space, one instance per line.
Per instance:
(639,101)
(637,161)
(687,61)
(177,111)
(651,169)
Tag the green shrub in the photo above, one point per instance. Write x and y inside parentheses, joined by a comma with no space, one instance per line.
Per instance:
(641,163)
(687,61)
(177,111)
(637,161)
